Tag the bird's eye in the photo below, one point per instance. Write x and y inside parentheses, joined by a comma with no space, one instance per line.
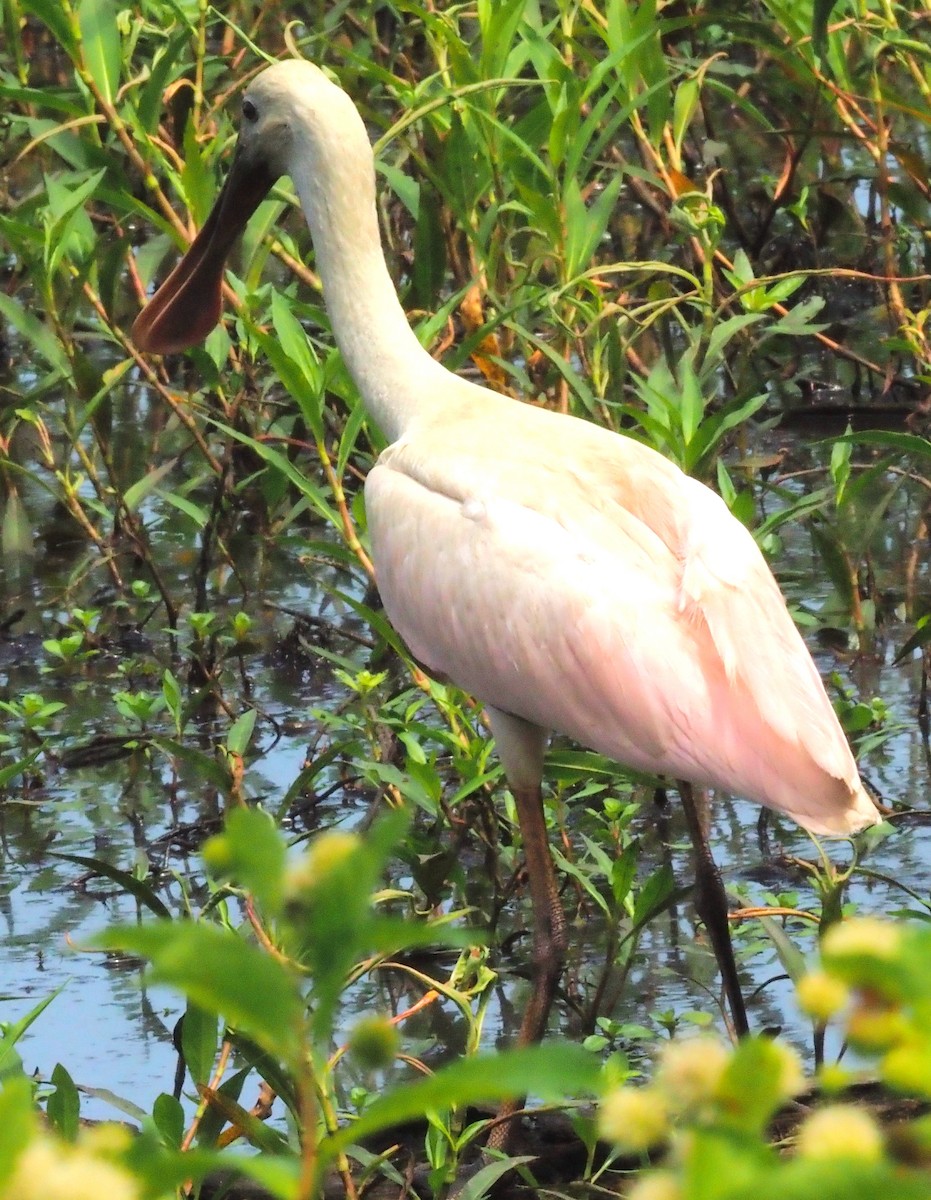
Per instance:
(249,111)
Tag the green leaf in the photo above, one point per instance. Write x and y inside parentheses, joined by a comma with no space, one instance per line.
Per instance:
(10,1063)
(16,533)
(498,20)
(654,896)
(137,492)
(137,888)
(482,1182)
(38,335)
(586,226)
(64,1105)
(18,1123)
(840,467)
(221,973)
(205,765)
(691,404)
(307,488)
(683,109)
(298,368)
(788,953)
(168,1117)
(752,1086)
(172,693)
(821,11)
(199,1042)
(337,924)
(919,638)
(197,514)
(240,732)
(100,34)
(551,1072)
(250,851)
(902,443)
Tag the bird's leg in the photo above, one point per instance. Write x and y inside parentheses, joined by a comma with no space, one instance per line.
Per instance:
(549,939)
(549,919)
(711,905)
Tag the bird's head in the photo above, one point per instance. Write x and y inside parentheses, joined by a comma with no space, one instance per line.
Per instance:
(293,118)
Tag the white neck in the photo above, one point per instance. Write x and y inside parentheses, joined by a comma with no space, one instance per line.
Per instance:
(395,375)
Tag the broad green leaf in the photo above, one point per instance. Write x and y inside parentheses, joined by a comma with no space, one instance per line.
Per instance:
(38,335)
(63,1107)
(199,1042)
(551,1072)
(654,896)
(292,356)
(168,1116)
(684,105)
(240,733)
(18,1123)
(220,972)
(251,852)
(100,36)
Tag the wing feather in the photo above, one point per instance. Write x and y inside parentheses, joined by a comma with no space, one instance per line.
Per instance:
(588,586)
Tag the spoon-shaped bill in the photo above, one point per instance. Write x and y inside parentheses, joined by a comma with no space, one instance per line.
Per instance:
(188,304)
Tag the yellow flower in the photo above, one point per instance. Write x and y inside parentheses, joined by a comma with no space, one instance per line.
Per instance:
(876,1027)
(862,935)
(324,855)
(634,1119)
(48,1170)
(840,1131)
(658,1185)
(822,995)
(690,1071)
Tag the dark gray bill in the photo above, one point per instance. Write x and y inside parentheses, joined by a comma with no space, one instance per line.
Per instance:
(188,304)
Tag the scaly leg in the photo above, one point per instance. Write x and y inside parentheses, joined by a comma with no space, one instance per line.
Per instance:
(711,905)
(549,938)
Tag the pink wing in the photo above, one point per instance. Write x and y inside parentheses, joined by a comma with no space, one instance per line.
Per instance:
(664,643)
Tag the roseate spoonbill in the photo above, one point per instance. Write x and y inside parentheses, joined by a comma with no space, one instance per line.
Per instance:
(568,577)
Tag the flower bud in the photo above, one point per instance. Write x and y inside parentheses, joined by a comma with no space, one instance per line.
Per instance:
(633,1119)
(840,1131)
(658,1185)
(50,1170)
(690,1070)
(868,936)
(374,1042)
(821,995)
(324,856)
